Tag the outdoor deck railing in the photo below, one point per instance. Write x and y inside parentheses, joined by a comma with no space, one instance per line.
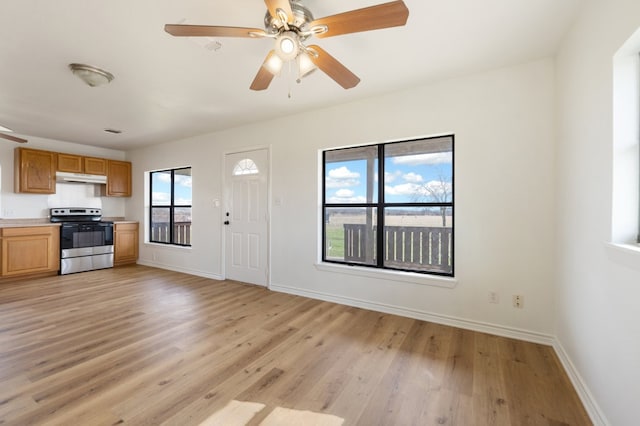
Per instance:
(414,247)
(181,232)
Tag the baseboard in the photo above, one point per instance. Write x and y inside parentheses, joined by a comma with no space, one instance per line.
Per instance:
(593,409)
(179,269)
(467,324)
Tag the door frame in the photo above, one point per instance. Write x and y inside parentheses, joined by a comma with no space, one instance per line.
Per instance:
(224,206)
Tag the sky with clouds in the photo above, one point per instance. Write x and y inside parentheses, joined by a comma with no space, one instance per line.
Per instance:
(161,185)
(408,178)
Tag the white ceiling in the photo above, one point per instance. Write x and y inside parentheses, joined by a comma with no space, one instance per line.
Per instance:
(167,88)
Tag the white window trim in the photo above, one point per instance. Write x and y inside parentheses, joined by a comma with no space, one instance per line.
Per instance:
(389,275)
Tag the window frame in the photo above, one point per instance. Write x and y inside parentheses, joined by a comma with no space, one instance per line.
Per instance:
(380,205)
(171,206)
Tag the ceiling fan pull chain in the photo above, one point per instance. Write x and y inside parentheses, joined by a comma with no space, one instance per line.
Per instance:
(290,77)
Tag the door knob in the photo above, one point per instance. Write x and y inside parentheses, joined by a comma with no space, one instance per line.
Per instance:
(226,222)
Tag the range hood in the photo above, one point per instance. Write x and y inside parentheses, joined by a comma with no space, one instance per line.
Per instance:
(80,178)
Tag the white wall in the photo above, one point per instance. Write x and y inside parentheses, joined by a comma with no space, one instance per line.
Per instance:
(503,122)
(22,206)
(598,287)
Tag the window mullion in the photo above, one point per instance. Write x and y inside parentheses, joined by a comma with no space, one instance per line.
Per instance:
(172,209)
(380,209)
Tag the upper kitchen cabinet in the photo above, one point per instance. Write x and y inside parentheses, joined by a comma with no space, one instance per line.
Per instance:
(70,163)
(95,166)
(78,164)
(35,171)
(118,178)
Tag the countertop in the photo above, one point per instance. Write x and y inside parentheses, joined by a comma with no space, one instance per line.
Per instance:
(21,223)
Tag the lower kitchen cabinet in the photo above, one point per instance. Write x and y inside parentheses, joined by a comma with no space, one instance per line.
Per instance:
(125,242)
(29,250)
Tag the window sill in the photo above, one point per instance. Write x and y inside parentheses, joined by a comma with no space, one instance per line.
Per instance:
(624,254)
(400,276)
(169,246)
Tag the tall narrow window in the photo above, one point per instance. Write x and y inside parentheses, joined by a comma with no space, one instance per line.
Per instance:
(170,213)
(402,221)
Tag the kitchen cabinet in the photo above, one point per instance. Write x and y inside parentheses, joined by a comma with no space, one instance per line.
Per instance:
(118,179)
(29,250)
(70,163)
(125,243)
(95,166)
(78,164)
(34,171)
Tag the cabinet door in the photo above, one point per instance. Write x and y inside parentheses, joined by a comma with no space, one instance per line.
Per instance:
(118,178)
(125,243)
(35,171)
(95,166)
(30,250)
(70,163)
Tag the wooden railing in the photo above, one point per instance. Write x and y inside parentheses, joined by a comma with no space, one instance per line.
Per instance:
(181,232)
(407,247)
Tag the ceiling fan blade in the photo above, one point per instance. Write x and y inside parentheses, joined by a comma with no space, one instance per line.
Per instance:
(13,138)
(264,76)
(386,15)
(274,5)
(333,68)
(179,30)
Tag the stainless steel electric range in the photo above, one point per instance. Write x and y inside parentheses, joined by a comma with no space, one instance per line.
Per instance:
(86,241)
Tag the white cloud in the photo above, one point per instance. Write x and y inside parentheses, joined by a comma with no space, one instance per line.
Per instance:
(344,193)
(342,177)
(183,180)
(339,200)
(403,189)
(163,177)
(413,177)
(346,196)
(424,159)
(161,198)
(391,176)
(343,173)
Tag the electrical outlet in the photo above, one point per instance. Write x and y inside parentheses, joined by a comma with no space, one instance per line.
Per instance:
(493,297)
(518,301)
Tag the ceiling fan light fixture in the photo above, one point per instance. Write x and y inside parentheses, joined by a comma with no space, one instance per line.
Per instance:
(305,65)
(287,46)
(274,64)
(91,75)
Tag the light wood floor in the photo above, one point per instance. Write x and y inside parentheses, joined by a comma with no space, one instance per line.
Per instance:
(143,346)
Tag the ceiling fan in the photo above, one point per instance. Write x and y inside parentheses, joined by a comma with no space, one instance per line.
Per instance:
(10,137)
(290,24)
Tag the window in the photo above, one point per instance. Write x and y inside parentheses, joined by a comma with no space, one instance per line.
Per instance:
(245,167)
(170,213)
(625,217)
(404,223)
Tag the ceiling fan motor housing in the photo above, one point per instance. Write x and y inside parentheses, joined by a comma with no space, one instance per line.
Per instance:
(301,19)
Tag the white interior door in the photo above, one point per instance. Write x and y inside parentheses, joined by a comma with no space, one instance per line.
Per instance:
(246,217)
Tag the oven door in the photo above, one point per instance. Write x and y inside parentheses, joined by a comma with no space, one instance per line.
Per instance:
(85,246)
(85,234)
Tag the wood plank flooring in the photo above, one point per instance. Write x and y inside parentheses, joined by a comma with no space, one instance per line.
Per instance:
(143,346)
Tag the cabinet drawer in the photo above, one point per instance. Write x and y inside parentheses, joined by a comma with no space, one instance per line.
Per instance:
(31,230)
